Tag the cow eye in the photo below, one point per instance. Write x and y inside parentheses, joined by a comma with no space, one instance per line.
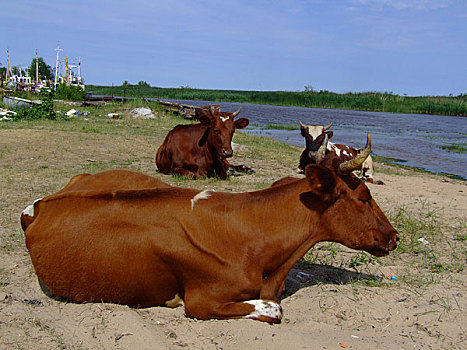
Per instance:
(217,131)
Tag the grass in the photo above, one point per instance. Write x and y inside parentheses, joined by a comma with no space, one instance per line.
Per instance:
(456,148)
(276,126)
(366,101)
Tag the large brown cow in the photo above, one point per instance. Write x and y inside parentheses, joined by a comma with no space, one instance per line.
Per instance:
(314,136)
(201,149)
(222,255)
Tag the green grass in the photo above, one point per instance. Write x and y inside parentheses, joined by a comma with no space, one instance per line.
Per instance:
(277,126)
(456,148)
(367,101)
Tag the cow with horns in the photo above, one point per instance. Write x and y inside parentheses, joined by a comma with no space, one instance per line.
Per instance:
(137,241)
(314,136)
(202,149)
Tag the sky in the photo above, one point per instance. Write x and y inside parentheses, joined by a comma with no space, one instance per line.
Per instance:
(416,47)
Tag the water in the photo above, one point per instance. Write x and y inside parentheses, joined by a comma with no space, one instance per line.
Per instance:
(414,140)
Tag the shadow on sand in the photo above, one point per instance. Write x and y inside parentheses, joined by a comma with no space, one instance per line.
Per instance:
(305,274)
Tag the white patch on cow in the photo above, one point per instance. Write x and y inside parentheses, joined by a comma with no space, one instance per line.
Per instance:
(332,147)
(202,195)
(346,153)
(264,308)
(224,119)
(29,210)
(175,302)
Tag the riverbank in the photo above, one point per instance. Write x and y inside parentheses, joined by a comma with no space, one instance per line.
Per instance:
(413,298)
(364,101)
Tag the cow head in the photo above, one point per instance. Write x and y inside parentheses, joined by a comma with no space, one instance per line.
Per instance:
(220,129)
(314,135)
(349,215)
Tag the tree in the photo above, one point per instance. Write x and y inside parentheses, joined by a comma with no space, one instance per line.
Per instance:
(16,70)
(45,71)
(143,84)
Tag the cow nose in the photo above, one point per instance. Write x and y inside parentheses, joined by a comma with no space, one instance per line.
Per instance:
(227,153)
(395,242)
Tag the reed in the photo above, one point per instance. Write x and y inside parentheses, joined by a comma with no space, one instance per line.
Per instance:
(366,101)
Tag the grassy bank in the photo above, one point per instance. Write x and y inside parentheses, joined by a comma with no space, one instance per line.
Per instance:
(365,101)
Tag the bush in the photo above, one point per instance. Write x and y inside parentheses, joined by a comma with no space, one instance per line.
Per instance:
(70,93)
(39,111)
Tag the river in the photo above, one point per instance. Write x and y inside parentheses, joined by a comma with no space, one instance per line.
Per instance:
(415,140)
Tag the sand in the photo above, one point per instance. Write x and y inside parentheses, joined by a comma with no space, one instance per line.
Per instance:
(327,304)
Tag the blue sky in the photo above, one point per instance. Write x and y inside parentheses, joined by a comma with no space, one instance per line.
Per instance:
(416,47)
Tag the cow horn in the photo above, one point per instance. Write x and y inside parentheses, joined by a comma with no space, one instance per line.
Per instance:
(303,126)
(234,114)
(319,154)
(356,163)
(327,127)
(212,110)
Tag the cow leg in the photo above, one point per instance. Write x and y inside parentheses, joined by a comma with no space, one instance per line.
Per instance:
(183,172)
(215,301)
(239,168)
(242,169)
(256,309)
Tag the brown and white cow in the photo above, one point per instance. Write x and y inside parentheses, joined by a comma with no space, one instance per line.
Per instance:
(222,255)
(314,136)
(201,149)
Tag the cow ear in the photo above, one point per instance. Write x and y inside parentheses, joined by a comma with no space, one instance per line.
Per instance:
(330,134)
(205,118)
(322,181)
(320,178)
(241,123)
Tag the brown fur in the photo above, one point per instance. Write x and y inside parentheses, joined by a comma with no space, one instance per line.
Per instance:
(142,245)
(201,149)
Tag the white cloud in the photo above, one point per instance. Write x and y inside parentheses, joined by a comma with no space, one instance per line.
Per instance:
(406,4)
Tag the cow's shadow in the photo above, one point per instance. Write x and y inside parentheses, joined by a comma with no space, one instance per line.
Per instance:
(306,274)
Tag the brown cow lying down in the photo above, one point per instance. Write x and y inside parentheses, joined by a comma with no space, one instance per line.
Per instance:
(314,136)
(222,255)
(201,149)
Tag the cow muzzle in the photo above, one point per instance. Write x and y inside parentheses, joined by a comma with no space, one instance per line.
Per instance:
(384,250)
(227,153)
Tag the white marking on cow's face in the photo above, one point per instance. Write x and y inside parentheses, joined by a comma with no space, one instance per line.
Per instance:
(175,302)
(266,308)
(346,153)
(29,210)
(315,130)
(202,195)
(224,119)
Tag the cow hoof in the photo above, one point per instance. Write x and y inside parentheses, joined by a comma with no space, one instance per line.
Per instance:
(250,171)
